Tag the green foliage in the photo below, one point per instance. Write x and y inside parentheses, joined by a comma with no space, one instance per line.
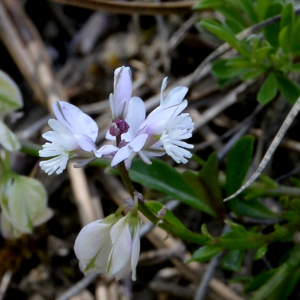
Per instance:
(155,207)
(233,260)
(272,56)
(205,253)
(163,178)
(278,283)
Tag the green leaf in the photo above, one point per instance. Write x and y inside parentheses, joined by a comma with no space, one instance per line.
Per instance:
(261,53)
(249,9)
(8,140)
(206,185)
(253,209)
(221,69)
(205,253)
(287,16)
(205,4)
(252,74)
(272,31)
(10,95)
(295,67)
(238,163)
(238,238)
(233,260)
(294,39)
(163,178)
(259,281)
(225,35)
(262,6)
(268,90)
(155,207)
(261,252)
(289,89)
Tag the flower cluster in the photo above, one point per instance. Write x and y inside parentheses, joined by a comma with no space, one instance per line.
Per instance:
(74,133)
(111,245)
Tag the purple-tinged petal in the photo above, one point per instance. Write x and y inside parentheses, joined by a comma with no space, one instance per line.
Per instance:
(76,120)
(122,91)
(135,117)
(121,155)
(138,143)
(106,150)
(85,142)
(175,96)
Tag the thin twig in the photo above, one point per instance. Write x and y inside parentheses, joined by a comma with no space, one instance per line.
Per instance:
(128,8)
(5,283)
(78,287)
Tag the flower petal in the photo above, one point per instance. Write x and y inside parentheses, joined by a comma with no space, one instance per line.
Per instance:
(122,243)
(76,120)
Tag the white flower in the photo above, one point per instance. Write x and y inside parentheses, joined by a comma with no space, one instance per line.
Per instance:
(73,136)
(161,132)
(111,245)
(122,93)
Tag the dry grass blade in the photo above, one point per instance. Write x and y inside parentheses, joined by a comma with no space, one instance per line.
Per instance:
(128,8)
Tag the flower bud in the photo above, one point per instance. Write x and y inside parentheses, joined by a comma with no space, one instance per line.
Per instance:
(111,245)
(23,203)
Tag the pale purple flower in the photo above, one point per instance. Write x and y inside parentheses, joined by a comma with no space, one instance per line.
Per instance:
(119,100)
(73,136)
(111,245)
(161,132)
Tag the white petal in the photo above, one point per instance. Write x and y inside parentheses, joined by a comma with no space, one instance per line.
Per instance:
(121,155)
(122,91)
(175,96)
(85,142)
(56,164)
(135,117)
(76,120)
(93,242)
(106,150)
(135,252)
(163,87)
(122,243)
(138,143)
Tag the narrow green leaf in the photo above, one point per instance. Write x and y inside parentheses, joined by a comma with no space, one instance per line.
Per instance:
(262,6)
(225,35)
(233,260)
(272,31)
(253,209)
(205,253)
(205,4)
(221,69)
(268,90)
(261,252)
(289,89)
(287,16)
(252,74)
(261,53)
(155,207)
(259,281)
(238,163)
(210,187)
(248,7)
(163,178)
